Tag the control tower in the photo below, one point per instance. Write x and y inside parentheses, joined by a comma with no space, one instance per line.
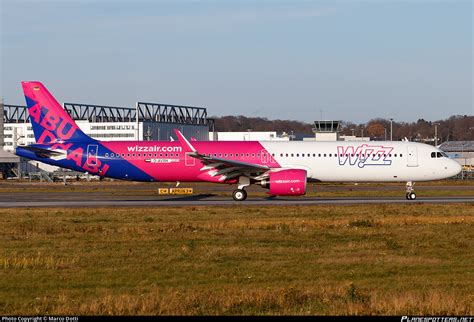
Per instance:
(327,130)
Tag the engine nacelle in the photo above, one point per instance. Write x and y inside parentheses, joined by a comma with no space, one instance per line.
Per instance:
(290,182)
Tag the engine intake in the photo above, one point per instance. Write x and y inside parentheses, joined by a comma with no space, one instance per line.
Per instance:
(290,182)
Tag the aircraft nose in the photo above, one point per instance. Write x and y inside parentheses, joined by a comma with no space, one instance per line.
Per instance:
(454,167)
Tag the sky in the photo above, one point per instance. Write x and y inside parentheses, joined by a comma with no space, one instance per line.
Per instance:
(299,60)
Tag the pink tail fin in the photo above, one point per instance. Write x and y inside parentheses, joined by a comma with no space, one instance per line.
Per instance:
(50,122)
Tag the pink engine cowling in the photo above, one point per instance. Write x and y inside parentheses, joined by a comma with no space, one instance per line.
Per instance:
(290,182)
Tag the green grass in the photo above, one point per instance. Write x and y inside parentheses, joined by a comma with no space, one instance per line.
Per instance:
(370,259)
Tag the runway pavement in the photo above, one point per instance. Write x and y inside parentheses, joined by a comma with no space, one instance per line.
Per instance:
(126,194)
(211,200)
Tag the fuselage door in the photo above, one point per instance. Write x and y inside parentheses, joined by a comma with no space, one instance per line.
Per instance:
(189,160)
(92,150)
(412,156)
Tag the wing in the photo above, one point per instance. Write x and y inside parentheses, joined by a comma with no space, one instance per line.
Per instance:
(225,168)
(229,169)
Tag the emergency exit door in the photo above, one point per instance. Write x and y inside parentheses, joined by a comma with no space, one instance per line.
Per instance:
(412,156)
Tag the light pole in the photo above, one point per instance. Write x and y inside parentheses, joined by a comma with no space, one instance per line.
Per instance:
(391,129)
(436,134)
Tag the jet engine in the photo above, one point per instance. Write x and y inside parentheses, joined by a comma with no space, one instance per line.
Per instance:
(288,182)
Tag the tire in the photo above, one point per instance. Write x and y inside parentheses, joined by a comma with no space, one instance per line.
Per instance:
(239,195)
(412,196)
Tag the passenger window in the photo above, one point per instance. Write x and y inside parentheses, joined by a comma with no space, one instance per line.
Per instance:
(297,154)
(106,154)
(395,155)
(324,154)
(292,155)
(253,155)
(281,154)
(433,154)
(330,154)
(401,155)
(439,155)
(112,154)
(286,155)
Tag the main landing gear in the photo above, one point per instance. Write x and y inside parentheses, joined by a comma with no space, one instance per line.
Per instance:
(410,195)
(240,194)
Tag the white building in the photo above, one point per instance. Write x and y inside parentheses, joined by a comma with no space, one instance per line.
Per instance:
(247,136)
(16,134)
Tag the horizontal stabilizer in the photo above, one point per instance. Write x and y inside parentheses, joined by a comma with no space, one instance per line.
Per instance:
(43,153)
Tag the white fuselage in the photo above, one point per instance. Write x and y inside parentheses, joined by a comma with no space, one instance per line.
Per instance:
(364,161)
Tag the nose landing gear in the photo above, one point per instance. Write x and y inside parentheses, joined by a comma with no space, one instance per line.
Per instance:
(410,195)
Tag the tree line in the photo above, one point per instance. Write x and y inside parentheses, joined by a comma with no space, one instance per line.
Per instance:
(454,128)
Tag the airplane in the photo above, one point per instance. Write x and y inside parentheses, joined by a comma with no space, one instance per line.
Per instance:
(284,168)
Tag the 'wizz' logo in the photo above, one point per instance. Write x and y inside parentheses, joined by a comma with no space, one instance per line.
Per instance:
(364,155)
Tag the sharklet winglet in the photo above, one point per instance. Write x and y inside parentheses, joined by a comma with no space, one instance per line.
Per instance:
(184,142)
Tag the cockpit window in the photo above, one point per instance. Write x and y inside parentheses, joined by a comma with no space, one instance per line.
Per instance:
(438,155)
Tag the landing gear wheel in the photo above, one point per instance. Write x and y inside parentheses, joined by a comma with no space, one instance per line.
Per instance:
(239,195)
(410,195)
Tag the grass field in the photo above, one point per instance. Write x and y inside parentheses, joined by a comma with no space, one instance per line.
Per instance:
(414,259)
